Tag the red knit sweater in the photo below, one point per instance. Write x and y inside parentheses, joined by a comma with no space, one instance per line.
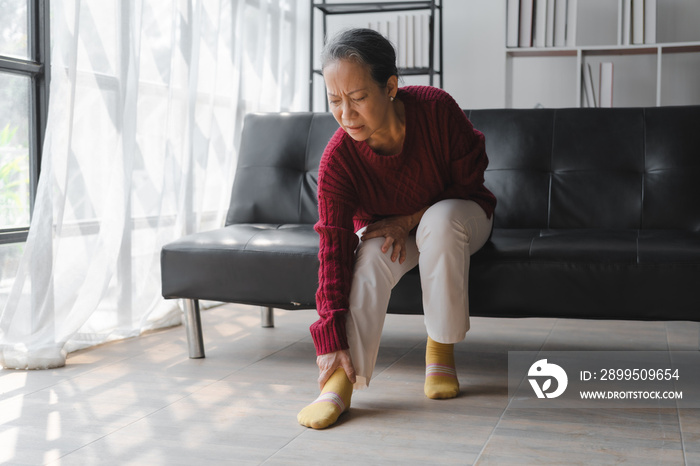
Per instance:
(443,157)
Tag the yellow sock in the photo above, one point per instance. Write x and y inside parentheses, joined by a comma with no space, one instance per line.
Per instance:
(333,401)
(440,374)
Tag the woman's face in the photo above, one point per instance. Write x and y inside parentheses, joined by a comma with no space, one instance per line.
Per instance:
(357,102)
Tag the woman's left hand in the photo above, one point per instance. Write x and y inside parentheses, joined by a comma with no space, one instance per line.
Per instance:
(395,230)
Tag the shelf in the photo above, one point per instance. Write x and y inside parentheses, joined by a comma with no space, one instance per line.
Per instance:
(416,71)
(374,7)
(682,48)
(541,52)
(640,49)
(659,73)
(432,35)
(637,50)
(404,71)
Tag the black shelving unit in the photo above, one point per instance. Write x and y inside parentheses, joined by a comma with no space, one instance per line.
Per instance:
(329,9)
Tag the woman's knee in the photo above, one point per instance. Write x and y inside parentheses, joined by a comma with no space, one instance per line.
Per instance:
(452,220)
(439,224)
(373,268)
(369,253)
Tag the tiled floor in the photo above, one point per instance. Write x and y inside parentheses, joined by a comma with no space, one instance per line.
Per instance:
(143,402)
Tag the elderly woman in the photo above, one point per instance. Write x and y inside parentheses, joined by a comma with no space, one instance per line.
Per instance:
(401,183)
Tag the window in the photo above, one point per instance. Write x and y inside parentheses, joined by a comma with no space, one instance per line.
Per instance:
(23,101)
(24,78)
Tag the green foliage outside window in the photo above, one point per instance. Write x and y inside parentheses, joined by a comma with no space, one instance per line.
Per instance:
(14,181)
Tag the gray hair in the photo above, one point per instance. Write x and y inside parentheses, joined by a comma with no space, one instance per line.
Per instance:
(363,46)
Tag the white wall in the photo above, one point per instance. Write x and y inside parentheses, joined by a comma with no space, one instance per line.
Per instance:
(474,34)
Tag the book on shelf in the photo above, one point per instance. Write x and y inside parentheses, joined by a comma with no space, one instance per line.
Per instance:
(410,43)
(605,88)
(425,26)
(526,11)
(410,35)
(589,89)
(401,45)
(512,20)
(560,23)
(549,40)
(626,19)
(571,9)
(420,41)
(539,30)
(619,22)
(541,23)
(637,21)
(383,28)
(650,21)
(394,35)
(417,41)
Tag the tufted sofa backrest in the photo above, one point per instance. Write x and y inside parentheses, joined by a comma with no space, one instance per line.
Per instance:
(277,171)
(626,168)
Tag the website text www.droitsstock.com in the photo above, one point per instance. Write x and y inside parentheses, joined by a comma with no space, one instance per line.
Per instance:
(630,395)
(604,379)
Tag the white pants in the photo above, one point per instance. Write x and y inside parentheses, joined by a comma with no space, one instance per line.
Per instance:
(448,234)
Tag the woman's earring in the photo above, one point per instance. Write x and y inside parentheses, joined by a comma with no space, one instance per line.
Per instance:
(391,98)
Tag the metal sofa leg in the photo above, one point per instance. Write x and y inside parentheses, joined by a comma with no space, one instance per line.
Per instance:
(267,317)
(193,324)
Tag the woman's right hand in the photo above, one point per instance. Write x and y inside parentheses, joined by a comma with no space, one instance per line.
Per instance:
(328,363)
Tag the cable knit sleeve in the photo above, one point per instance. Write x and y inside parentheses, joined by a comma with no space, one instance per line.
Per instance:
(336,207)
(468,161)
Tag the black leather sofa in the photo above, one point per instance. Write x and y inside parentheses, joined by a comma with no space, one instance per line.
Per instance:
(598,217)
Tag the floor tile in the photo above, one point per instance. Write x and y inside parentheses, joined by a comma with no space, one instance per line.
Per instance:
(588,436)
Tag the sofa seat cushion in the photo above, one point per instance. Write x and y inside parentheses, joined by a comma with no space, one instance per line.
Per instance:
(261,264)
(277,265)
(669,247)
(535,273)
(584,246)
(642,247)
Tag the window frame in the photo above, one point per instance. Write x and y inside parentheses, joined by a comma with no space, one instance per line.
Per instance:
(38,69)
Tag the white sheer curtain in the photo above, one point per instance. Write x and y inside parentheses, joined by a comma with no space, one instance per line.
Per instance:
(146,106)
